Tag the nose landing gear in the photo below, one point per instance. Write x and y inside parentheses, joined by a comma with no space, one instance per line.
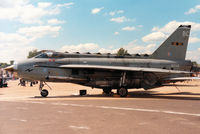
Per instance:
(43,92)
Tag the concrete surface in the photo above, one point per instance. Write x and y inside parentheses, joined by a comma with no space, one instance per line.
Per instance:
(162,110)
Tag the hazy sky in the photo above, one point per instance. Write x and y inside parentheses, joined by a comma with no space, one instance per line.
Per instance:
(94,25)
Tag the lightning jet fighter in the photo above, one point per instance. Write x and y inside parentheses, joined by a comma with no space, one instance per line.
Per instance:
(108,71)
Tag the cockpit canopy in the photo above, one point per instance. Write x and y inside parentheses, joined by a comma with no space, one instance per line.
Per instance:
(50,55)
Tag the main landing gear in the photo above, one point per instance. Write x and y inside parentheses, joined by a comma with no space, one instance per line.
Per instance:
(123,92)
(107,90)
(43,92)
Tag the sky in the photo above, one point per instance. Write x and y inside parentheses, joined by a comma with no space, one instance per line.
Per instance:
(94,26)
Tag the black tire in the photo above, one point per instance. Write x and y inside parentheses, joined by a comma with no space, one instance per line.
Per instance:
(5,85)
(107,90)
(44,93)
(117,91)
(83,92)
(123,92)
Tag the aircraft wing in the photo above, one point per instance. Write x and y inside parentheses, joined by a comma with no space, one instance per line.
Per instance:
(121,68)
(113,68)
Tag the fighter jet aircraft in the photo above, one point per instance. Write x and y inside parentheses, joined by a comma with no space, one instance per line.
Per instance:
(107,71)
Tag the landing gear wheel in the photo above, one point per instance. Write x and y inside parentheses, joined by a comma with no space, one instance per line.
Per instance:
(118,92)
(44,93)
(107,90)
(123,92)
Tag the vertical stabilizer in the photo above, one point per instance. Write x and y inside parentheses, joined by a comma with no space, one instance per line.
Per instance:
(175,46)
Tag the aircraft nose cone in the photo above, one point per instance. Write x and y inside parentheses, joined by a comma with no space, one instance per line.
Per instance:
(12,68)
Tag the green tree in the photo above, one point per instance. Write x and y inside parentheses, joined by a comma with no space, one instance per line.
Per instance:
(194,63)
(11,62)
(122,52)
(3,65)
(32,53)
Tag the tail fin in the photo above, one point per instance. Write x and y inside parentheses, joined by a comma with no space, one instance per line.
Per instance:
(175,46)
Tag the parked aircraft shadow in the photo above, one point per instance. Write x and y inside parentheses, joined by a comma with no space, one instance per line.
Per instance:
(139,94)
(175,96)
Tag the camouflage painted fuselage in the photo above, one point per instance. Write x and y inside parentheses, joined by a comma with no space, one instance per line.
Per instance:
(47,69)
